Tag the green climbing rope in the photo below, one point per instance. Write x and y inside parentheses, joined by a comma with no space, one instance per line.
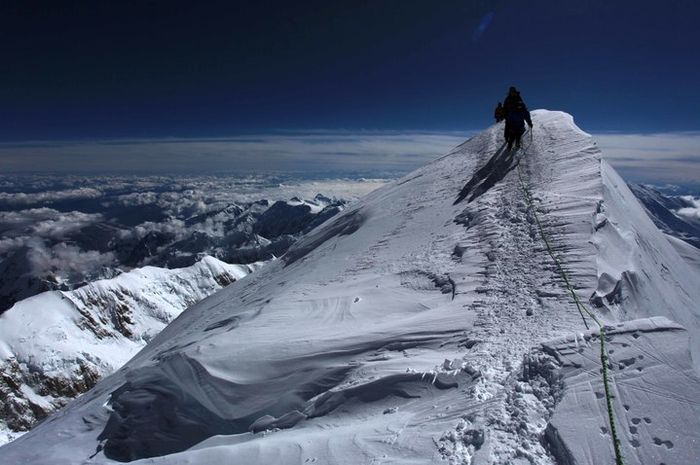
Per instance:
(604,359)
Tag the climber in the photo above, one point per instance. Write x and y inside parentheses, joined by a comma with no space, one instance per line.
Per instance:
(512,99)
(515,124)
(499,114)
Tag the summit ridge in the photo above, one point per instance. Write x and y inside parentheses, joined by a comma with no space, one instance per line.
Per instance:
(426,323)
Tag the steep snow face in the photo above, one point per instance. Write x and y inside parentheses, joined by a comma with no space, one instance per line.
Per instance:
(57,345)
(667,213)
(688,252)
(397,332)
(639,271)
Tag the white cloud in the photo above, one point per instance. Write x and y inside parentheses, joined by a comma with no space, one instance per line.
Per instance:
(137,199)
(691,212)
(8,244)
(42,231)
(50,242)
(172,226)
(45,222)
(661,157)
(66,259)
(315,152)
(22,198)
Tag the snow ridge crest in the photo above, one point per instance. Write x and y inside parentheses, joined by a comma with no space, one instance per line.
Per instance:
(420,326)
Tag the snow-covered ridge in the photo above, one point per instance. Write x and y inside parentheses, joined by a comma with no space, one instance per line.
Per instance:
(425,323)
(57,345)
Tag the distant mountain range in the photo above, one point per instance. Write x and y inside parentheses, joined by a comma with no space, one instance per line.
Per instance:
(234,233)
(492,307)
(59,337)
(667,212)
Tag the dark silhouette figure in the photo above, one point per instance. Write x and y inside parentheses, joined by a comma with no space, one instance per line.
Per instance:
(512,100)
(516,114)
(499,113)
(515,124)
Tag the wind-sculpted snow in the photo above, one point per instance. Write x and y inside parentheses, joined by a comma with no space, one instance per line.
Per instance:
(57,345)
(180,403)
(635,257)
(342,226)
(397,332)
(657,394)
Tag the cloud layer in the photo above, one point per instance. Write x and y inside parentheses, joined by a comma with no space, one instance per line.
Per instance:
(661,157)
(59,231)
(658,158)
(317,152)
(692,212)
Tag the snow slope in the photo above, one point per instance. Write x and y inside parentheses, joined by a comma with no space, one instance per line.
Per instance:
(681,231)
(427,323)
(656,394)
(56,345)
(664,211)
(688,252)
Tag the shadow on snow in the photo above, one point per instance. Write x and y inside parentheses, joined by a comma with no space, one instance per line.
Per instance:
(500,164)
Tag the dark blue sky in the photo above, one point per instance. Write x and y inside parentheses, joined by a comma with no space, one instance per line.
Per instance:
(91,70)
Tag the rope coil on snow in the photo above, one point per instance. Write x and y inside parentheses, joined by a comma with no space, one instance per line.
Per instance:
(604,358)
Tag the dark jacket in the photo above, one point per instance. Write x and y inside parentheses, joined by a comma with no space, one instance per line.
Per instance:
(499,113)
(511,103)
(516,118)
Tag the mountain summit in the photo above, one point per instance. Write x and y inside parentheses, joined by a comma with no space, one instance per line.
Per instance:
(492,307)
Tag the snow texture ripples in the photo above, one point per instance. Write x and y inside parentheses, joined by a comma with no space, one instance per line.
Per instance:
(419,327)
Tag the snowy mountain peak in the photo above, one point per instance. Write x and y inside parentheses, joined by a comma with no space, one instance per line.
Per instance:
(429,321)
(58,344)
